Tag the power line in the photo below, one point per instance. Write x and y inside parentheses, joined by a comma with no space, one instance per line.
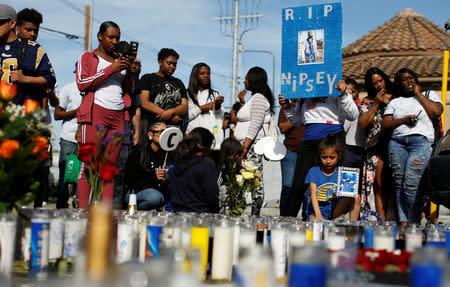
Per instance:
(60,37)
(72,6)
(68,36)
(130,37)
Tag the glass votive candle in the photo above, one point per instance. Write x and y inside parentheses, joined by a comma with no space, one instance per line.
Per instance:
(336,238)
(383,238)
(308,266)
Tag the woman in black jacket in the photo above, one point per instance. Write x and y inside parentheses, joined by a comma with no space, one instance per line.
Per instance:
(144,173)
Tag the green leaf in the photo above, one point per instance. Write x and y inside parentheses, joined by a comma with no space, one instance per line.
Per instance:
(4,207)
(15,128)
(27,198)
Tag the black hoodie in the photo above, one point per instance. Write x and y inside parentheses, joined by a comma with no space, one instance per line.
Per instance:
(193,186)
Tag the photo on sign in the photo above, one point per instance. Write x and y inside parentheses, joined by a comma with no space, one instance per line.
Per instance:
(311,47)
(348,182)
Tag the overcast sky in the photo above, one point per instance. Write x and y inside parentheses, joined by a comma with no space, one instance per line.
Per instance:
(189,28)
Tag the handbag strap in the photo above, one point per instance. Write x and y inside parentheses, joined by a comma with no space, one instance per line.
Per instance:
(75,150)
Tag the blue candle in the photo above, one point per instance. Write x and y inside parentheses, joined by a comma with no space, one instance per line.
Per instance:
(368,237)
(447,242)
(428,275)
(307,275)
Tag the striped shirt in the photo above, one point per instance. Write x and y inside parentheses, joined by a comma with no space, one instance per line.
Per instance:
(253,118)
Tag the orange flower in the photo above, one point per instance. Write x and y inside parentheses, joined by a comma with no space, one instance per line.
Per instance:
(8,147)
(41,145)
(7,91)
(30,106)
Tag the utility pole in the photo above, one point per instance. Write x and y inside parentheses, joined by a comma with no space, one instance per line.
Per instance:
(251,22)
(87,29)
(92,24)
(234,85)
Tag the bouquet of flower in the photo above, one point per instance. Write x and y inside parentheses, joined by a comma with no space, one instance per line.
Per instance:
(98,168)
(383,261)
(24,142)
(237,182)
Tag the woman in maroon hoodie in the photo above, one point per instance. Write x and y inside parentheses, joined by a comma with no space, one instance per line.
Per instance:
(106,81)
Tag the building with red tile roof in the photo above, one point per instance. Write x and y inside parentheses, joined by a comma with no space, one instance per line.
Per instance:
(407,40)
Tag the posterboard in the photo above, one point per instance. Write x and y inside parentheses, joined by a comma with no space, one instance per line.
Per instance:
(311,52)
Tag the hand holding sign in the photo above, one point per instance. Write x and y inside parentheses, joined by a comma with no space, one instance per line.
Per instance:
(169,140)
(311,50)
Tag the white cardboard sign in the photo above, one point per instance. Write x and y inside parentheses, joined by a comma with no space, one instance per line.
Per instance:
(170,138)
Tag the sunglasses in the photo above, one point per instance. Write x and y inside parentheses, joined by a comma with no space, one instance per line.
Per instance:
(157,132)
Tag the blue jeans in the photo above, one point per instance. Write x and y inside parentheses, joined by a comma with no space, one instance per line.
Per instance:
(66,148)
(287,174)
(409,155)
(326,209)
(147,199)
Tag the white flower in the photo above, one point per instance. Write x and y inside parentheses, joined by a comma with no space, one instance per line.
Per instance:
(240,179)
(15,111)
(250,166)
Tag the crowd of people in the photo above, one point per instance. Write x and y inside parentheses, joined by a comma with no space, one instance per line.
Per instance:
(387,135)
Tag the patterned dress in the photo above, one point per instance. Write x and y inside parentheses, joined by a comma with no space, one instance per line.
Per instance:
(370,164)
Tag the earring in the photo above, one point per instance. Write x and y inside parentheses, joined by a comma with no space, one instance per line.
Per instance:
(150,137)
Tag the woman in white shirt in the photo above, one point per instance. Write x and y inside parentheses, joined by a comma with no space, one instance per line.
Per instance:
(205,104)
(409,116)
(253,122)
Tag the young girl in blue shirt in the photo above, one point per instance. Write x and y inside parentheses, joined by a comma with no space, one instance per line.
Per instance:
(323,179)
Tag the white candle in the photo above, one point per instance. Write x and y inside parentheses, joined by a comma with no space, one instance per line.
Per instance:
(413,241)
(73,232)
(247,238)
(126,241)
(236,235)
(25,243)
(56,238)
(142,241)
(317,230)
(381,242)
(222,256)
(7,247)
(278,243)
(186,237)
(336,242)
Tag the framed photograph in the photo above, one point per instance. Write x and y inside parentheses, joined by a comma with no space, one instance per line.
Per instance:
(348,181)
(310,47)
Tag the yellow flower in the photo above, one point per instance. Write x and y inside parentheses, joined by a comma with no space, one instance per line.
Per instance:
(250,166)
(257,183)
(7,91)
(8,147)
(240,179)
(248,175)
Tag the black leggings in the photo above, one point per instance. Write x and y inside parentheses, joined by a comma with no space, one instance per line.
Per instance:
(306,159)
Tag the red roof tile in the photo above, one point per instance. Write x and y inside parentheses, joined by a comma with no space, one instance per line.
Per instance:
(407,40)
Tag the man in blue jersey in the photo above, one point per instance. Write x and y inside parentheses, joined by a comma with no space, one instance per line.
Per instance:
(23,62)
